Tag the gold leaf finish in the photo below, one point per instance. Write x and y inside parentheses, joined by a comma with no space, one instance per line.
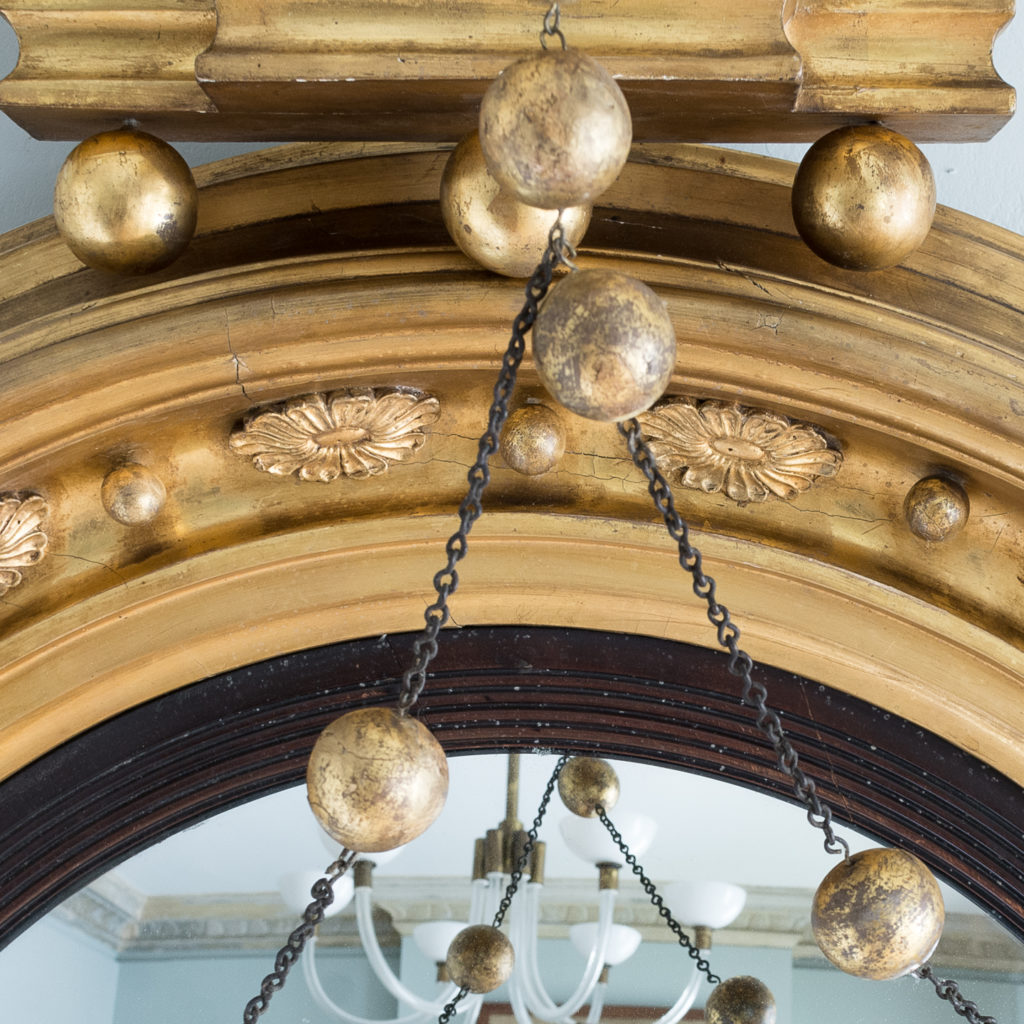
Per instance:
(879,914)
(357,432)
(22,542)
(750,454)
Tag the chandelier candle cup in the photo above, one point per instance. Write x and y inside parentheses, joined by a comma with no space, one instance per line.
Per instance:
(125,202)
(555,129)
(604,345)
(490,224)
(878,915)
(864,197)
(376,779)
(480,958)
(740,1000)
(587,783)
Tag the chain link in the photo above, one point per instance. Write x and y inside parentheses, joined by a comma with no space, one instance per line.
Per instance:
(950,991)
(656,899)
(447,580)
(515,878)
(551,28)
(323,896)
(819,814)
(531,841)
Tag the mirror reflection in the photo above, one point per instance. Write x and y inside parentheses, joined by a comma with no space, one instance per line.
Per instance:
(187,929)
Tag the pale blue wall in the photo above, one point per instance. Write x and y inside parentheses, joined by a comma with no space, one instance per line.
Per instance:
(53,974)
(825,994)
(215,990)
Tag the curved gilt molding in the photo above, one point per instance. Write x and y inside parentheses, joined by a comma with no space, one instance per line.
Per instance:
(749,454)
(22,540)
(914,372)
(355,432)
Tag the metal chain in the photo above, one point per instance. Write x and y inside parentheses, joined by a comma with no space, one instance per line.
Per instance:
(819,814)
(950,991)
(656,898)
(551,28)
(515,878)
(531,840)
(323,896)
(447,580)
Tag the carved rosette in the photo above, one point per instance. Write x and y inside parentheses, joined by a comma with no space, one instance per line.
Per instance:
(750,454)
(355,432)
(22,542)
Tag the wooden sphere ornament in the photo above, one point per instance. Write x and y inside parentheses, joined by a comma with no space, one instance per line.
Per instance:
(125,202)
(740,1000)
(936,508)
(587,783)
(555,129)
(490,224)
(864,197)
(604,345)
(132,494)
(880,915)
(480,958)
(533,440)
(376,779)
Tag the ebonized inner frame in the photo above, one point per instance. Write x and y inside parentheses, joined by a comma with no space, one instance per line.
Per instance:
(125,784)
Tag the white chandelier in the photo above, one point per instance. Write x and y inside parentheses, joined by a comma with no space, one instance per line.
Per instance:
(603,943)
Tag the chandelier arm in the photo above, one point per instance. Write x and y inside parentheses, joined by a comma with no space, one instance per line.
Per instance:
(479,889)
(523,1013)
(536,995)
(597,1003)
(682,1005)
(596,959)
(446,581)
(819,814)
(324,1001)
(323,896)
(950,991)
(379,966)
(656,899)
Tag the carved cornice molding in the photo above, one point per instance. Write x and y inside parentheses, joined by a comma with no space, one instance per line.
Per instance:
(752,70)
(166,927)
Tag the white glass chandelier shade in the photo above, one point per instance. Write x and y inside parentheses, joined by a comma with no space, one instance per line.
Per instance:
(589,839)
(433,938)
(623,941)
(295,891)
(711,904)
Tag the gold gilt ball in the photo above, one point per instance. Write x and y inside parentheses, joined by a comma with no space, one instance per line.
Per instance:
(125,202)
(864,197)
(490,224)
(936,508)
(533,440)
(740,1000)
(480,958)
(604,345)
(132,494)
(555,129)
(879,916)
(587,783)
(376,779)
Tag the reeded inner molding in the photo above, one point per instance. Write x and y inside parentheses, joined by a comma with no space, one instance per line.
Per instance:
(22,541)
(355,432)
(750,454)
